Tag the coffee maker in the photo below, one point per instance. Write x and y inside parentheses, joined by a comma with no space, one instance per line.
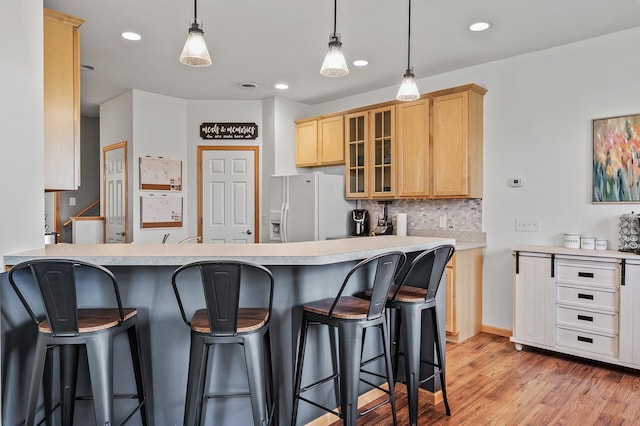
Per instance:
(359,222)
(384,227)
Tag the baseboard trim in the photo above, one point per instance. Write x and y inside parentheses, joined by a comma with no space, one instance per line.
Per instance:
(367,397)
(496,330)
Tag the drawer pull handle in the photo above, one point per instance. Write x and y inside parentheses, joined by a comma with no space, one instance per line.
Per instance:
(585,318)
(585,274)
(585,296)
(585,339)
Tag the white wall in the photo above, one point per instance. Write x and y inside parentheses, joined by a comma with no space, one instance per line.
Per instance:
(21,127)
(159,130)
(537,125)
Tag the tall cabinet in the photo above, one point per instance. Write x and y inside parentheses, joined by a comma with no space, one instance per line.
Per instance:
(61,101)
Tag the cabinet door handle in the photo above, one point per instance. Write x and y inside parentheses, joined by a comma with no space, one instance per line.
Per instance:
(585,339)
(585,296)
(585,318)
(585,274)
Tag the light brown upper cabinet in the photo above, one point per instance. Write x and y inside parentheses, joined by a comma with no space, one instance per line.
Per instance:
(61,101)
(414,168)
(429,148)
(320,142)
(457,144)
(356,147)
(383,152)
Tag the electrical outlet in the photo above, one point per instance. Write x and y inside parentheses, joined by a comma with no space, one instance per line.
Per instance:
(528,224)
(442,222)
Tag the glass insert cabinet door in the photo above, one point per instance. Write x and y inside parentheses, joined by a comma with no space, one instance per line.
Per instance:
(356,135)
(383,151)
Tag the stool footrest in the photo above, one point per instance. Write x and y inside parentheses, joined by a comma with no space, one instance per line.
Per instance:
(375,407)
(318,383)
(227,395)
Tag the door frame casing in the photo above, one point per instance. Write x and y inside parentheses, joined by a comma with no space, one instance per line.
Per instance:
(256,183)
(122,144)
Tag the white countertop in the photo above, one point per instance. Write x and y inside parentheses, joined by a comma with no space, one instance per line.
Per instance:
(303,253)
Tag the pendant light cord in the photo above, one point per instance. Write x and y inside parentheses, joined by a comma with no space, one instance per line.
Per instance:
(335,15)
(195,9)
(409,40)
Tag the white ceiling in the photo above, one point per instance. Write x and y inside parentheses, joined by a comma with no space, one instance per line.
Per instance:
(270,41)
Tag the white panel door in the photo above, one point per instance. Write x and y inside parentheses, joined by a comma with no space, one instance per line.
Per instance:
(228,194)
(115,193)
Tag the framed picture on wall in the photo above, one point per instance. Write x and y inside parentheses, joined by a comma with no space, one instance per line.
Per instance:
(616,159)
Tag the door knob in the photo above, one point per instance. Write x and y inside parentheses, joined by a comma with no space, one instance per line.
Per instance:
(248,232)
(120,233)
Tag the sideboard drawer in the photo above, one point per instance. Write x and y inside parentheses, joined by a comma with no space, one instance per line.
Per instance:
(588,273)
(583,297)
(595,321)
(592,342)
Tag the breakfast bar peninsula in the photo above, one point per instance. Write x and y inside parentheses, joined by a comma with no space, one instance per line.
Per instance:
(303,272)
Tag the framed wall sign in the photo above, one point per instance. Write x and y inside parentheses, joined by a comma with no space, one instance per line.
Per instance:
(616,159)
(228,130)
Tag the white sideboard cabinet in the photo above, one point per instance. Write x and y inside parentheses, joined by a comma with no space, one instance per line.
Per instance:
(584,303)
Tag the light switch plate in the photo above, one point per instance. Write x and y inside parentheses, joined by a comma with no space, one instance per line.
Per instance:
(528,224)
(72,201)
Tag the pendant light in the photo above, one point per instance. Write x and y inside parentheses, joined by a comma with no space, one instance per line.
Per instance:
(408,90)
(195,51)
(334,64)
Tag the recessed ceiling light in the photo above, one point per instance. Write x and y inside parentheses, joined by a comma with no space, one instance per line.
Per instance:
(360,62)
(480,26)
(131,36)
(281,86)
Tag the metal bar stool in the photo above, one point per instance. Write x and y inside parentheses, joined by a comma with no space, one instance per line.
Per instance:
(224,321)
(66,326)
(416,293)
(351,316)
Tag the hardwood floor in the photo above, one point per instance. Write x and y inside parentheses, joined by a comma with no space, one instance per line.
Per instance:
(490,383)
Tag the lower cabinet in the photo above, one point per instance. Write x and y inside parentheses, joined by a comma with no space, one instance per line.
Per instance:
(578,303)
(534,300)
(464,295)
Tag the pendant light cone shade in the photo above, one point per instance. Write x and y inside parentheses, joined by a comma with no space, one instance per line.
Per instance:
(334,64)
(195,51)
(408,90)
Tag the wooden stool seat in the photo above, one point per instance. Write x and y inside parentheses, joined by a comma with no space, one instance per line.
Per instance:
(90,320)
(348,307)
(407,294)
(249,319)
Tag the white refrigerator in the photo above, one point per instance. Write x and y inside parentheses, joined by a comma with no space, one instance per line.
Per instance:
(308,207)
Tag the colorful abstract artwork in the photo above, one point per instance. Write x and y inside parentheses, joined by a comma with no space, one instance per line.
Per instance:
(616,159)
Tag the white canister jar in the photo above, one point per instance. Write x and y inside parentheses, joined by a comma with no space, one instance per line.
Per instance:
(601,244)
(571,240)
(588,243)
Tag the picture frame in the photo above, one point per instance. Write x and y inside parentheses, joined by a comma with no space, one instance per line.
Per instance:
(616,159)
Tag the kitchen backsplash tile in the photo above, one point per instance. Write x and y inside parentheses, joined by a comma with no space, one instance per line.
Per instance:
(463,217)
